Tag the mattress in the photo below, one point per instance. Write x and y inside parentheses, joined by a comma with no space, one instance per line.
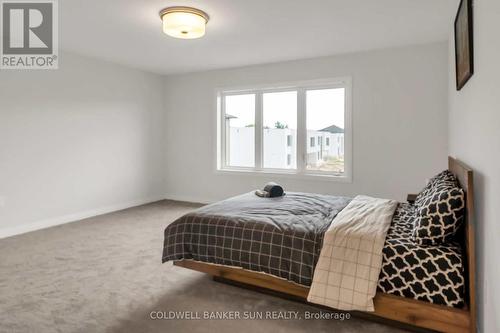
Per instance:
(433,274)
(279,236)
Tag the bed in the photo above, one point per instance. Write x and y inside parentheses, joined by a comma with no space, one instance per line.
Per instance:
(276,245)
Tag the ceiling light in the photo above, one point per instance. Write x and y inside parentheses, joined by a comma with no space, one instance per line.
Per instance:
(184,22)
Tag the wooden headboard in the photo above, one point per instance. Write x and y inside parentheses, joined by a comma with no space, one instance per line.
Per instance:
(465,177)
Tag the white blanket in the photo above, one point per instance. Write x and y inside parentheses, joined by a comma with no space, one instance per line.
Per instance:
(350,261)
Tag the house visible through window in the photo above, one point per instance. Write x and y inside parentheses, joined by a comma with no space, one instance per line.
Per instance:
(301,129)
(325,113)
(240,122)
(279,111)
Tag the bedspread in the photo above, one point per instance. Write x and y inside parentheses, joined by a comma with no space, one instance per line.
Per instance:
(279,236)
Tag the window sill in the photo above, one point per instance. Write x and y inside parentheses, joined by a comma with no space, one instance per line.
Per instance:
(285,174)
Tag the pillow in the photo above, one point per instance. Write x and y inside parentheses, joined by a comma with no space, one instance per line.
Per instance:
(443,179)
(439,215)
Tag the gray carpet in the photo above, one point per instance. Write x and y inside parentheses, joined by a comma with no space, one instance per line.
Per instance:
(104,274)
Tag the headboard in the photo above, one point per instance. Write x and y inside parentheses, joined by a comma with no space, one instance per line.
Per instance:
(465,177)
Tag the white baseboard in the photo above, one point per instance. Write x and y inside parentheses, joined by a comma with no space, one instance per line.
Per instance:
(188,198)
(51,222)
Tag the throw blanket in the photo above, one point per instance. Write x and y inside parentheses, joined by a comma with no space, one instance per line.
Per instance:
(350,261)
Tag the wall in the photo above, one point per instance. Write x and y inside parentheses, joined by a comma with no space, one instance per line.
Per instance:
(399,123)
(474,137)
(78,141)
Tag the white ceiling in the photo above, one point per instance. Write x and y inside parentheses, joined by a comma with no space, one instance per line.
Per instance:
(245,32)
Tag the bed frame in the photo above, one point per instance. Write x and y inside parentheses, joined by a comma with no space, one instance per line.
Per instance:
(390,307)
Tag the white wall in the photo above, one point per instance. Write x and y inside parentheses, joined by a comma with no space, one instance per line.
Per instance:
(474,137)
(399,123)
(77,141)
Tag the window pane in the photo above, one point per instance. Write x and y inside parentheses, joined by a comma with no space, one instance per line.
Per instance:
(325,122)
(280,130)
(240,130)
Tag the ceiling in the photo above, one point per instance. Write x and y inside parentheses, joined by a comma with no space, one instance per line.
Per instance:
(246,32)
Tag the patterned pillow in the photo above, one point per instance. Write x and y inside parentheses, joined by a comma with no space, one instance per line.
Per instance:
(443,179)
(439,215)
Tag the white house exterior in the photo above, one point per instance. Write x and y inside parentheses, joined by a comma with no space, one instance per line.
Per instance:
(280,150)
(241,147)
(280,147)
(322,145)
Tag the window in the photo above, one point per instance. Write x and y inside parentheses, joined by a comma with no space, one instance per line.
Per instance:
(279,119)
(301,129)
(240,123)
(325,113)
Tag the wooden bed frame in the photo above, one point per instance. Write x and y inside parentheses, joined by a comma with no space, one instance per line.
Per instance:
(395,308)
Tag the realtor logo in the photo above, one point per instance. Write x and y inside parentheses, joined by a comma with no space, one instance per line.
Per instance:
(29,34)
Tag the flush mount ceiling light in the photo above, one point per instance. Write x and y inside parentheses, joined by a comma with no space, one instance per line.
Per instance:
(184,22)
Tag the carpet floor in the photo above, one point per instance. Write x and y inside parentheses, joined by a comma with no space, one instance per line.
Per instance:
(104,274)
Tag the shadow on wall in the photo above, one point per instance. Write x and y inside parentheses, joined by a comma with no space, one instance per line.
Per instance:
(481,289)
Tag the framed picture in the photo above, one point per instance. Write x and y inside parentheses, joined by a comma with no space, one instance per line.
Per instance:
(464,51)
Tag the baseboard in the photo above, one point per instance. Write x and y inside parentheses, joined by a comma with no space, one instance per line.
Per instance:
(188,198)
(51,222)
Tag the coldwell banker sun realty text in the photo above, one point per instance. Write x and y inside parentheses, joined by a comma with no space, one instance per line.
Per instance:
(29,34)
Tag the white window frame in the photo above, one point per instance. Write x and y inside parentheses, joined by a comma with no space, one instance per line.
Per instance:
(302,143)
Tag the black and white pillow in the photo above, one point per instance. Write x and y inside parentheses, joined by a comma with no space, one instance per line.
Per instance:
(439,215)
(427,273)
(443,179)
